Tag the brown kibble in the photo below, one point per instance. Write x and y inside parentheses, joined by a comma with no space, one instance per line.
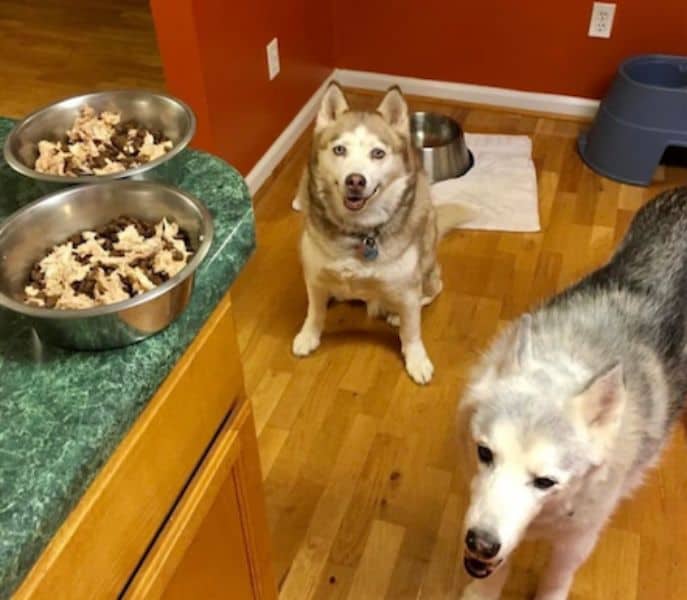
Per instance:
(77,239)
(110,152)
(182,235)
(119,141)
(178,255)
(84,260)
(127,285)
(97,162)
(37,277)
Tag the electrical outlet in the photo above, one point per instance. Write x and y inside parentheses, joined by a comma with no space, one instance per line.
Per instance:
(601,23)
(273,58)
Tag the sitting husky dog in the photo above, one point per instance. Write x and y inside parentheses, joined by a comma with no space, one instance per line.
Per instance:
(371,230)
(575,401)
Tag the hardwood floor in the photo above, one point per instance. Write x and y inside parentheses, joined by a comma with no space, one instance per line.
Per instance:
(364,474)
(50,49)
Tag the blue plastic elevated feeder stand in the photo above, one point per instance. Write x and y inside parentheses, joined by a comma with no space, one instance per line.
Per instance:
(643,114)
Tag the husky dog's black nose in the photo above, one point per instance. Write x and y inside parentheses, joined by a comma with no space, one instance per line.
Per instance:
(482,543)
(355,184)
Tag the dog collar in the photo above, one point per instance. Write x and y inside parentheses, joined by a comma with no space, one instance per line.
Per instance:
(367,248)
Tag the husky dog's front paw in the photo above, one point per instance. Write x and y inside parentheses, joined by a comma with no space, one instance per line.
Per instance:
(393,319)
(374,310)
(418,365)
(472,592)
(552,595)
(305,342)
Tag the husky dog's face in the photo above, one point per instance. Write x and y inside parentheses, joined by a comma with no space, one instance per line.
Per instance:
(537,429)
(358,156)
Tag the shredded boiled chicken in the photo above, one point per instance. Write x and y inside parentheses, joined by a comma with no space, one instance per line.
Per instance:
(99,144)
(119,260)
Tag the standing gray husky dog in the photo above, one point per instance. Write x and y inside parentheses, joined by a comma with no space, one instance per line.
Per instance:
(575,401)
(370,228)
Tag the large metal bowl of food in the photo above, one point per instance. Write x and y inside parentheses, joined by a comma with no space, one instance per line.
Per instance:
(440,145)
(101,136)
(40,243)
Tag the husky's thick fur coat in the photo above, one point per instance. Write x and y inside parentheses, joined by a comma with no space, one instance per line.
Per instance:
(573,402)
(370,229)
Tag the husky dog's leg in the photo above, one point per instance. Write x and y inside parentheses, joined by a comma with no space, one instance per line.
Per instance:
(301,191)
(567,555)
(418,365)
(308,339)
(432,285)
(375,310)
(489,588)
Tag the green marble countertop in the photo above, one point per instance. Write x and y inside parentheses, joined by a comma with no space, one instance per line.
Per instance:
(63,413)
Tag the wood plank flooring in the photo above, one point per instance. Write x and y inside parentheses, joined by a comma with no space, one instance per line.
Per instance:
(50,49)
(364,475)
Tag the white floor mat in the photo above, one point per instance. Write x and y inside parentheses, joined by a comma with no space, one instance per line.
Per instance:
(502,184)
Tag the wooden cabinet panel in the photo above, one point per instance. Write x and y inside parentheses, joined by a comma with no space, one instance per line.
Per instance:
(212,545)
(215,565)
(202,551)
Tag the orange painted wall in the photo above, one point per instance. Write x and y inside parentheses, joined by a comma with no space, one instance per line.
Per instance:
(214,52)
(535,45)
(214,57)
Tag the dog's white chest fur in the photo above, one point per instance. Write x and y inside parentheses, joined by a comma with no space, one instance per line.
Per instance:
(351,278)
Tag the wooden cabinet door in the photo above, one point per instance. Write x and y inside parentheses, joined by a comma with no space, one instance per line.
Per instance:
(203,551)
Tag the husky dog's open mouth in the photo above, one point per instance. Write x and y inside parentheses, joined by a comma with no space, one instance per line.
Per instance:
(478,568)
(357,202)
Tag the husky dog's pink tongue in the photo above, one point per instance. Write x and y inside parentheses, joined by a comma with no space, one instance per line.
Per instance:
(356,202)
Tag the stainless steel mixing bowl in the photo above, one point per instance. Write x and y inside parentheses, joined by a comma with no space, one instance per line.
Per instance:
(26,235)
(440,145)
(155,111)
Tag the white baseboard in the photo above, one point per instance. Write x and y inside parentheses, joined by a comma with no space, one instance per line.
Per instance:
(467,92)
(443,90)
(277,151)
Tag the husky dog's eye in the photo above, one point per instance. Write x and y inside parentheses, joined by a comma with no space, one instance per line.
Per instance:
(377,153)
(339,150)
(543,483)
(485,455)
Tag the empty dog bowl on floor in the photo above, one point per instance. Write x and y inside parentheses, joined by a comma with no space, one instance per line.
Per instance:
(642,116)
(440,145)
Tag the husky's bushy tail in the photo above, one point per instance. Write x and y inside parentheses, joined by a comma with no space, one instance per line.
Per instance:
(452,216)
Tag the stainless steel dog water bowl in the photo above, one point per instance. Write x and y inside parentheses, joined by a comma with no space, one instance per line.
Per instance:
(26,235)
(440,145)
(155,111)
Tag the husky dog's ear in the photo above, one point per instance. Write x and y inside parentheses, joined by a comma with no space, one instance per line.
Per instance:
(395,110)
(518,346)
(600,406)
(334,104)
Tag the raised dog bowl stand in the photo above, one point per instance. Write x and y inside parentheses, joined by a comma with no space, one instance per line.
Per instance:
(643,114)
